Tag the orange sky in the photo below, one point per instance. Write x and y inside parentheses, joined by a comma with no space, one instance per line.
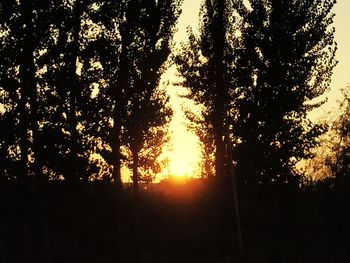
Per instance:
(184,156)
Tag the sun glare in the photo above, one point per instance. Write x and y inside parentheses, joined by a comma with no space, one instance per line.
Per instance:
(183,152)
(182,165)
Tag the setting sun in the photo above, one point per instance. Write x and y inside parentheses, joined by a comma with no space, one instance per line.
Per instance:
(183,152)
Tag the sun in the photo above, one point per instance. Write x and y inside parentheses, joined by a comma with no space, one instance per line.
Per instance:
(182,164)
(183,153)
(182,161)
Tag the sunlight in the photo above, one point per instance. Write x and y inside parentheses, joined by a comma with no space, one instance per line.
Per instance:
(181,165)
(184,157)
(182,152)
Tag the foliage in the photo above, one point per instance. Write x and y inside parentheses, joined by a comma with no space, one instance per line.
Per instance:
(200,125)
(207,63)
(147,35)
(146,136)
(68,97)
(340,165)
(258,78)
(24,33)
(283,68)
(75,76)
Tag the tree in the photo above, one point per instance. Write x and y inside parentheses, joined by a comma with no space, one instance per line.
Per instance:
(200,125)
(152,24)
(9,139)
(9,94)
(24,33)
(46,88)
(132,49)
(68,141)
(331,160)
(207,64)
(340,163)
(73,73)
(144,146)
(283,68)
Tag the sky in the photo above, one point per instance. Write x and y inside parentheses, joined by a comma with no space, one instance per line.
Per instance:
(183,151)
(341,76)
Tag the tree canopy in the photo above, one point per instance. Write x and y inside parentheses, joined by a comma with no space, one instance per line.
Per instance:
(257,68)
(79,81)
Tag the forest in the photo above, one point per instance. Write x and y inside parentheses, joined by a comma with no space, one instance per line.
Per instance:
(81,100)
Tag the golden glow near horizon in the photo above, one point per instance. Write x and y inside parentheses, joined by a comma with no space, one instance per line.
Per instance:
(183,152)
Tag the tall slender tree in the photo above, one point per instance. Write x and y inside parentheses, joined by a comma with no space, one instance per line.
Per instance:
(200,125)
(72,82)
(54,76)
(69,78)
(24,32)
(132,53)
(285,65)
(9,112)
(207,64)
(110,51)
(147,109)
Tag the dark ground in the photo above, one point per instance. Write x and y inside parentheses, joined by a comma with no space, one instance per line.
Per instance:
(93,223)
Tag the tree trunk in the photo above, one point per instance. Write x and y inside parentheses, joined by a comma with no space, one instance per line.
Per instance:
(29,91)
(135,174)
(219,43)
(219,153)
(29,79)
(118,99)
(73,94)
(23,170)
(116,162)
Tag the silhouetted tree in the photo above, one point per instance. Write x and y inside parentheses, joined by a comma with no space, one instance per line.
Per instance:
(145,145)
(9,139)
(103,71)
(201,126)
(72,82)
(78,78)
(152,24)
(67,143)
(132,50)
(340,161)
(65,75)
(285,65)
(24,34)
(9,110)
(207,63)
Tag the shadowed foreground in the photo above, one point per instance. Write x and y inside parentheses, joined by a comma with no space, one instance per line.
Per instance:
(171,223)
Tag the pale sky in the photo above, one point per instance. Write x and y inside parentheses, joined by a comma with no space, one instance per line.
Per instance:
(184,156)
(341,76)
